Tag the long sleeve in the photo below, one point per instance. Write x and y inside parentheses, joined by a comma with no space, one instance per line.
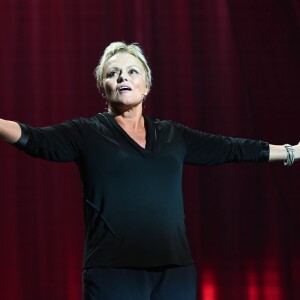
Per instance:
(207,149)
(56,143)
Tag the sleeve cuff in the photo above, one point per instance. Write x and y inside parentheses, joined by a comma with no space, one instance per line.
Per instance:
(21,143)
(264,152)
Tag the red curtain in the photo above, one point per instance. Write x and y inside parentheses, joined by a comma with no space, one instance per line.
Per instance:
(223,66)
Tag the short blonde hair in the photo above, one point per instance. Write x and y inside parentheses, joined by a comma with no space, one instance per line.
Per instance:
(117,47)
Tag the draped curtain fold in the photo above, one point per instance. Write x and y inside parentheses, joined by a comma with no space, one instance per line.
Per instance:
(223,66)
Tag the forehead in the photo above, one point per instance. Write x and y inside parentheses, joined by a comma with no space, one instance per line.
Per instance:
(122,59)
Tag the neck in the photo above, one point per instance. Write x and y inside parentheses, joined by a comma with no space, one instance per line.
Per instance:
(131,118)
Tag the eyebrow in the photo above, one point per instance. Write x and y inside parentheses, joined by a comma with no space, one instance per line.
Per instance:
(134,66)
(115,67)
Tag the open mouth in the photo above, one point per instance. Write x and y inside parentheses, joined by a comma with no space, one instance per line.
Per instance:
(124,88)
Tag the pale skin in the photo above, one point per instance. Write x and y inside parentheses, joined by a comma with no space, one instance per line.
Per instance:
(125,70)
(125,88)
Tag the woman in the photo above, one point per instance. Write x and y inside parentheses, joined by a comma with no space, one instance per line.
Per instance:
(131,168)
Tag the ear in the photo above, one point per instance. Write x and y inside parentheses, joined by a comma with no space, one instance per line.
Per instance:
(102,91)
(147,91)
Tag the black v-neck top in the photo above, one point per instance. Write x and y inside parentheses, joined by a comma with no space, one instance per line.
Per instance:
(150,133)
(133,205)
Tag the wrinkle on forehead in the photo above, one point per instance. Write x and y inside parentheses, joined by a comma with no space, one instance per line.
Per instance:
(120,59)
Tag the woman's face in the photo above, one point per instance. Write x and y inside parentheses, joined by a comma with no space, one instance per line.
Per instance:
(124,81)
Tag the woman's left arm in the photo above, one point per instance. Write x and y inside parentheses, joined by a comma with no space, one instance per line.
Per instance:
(286,153)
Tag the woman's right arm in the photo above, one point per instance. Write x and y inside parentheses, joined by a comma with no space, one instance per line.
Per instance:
(10,131)
(60,142)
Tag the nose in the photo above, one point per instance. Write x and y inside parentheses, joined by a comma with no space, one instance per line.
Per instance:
(121,77)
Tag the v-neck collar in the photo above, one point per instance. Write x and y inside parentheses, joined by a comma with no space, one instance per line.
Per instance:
(150,134)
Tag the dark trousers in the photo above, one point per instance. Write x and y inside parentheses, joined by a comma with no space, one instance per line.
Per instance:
(178,283)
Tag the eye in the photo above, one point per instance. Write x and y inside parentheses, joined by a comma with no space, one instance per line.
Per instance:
(112,74)
(133,71)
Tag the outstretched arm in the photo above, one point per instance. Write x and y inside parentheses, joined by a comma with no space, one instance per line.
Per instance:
(281,152)
(10,131)
(59,142)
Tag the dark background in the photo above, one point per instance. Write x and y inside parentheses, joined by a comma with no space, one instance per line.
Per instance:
(225,67)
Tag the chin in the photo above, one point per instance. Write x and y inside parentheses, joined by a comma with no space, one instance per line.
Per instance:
(125,104)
